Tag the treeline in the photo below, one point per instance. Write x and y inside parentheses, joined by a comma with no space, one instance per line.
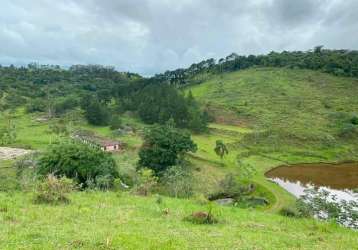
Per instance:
(45,86)
(337,62)
(101,92)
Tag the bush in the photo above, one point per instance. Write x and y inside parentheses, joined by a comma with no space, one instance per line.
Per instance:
(326,206)
(354,120)
(146,182)
(104,182)
(178,181)
(202,217)
(289,212)
(36,105)
(115,123)
(348,131)
(228,188)
(54,190)
(78,161)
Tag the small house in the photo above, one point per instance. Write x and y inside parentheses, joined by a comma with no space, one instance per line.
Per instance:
(109,145)
(103,143)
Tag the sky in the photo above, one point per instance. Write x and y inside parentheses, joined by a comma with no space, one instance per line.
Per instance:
(151,36)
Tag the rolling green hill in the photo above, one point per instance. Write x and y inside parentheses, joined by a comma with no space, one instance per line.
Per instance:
(266,116)
(300,111)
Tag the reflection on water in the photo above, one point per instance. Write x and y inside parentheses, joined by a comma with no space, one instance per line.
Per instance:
(338,179)
(297,189)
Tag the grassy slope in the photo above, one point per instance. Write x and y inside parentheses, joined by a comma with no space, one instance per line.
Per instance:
(122,221)
(296,107)
(135,222)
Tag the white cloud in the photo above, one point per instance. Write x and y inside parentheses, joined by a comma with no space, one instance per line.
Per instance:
(151,36)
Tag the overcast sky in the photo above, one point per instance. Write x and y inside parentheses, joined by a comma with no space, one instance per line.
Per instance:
(151,36)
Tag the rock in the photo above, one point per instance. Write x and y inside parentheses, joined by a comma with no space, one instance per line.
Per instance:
(225,201)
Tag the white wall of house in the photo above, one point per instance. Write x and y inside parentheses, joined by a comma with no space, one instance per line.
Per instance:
(110,148)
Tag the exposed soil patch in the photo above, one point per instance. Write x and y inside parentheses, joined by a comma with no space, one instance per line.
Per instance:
(12,153)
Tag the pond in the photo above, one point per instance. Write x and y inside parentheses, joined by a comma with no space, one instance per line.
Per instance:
(339,179)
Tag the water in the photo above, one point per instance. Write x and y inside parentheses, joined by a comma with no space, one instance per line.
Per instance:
(339,179)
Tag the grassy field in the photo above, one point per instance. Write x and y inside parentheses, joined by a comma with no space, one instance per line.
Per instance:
(97,220)
(267,117)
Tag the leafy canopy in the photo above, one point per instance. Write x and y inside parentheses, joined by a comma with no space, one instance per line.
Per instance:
(162,147)
(77,161)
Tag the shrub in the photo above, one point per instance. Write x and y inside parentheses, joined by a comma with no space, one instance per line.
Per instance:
(202,217)
(289,212)
(104,182)
(348,131)
(146,181)
(115,123)
(36,105)
(325,206)
(178,181)
(78,161)
(354,120)
(54,190)
(228,188)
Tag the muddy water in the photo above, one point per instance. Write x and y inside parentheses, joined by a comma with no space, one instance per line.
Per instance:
(339,179)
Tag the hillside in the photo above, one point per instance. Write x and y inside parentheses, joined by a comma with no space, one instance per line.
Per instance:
(290,111)
(266,116)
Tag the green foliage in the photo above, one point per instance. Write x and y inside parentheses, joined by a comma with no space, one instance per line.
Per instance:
(64,104)
(36,105)
(53,190)
(157,103)
(96,113)
(220,149)
(229,187)
(178,181)
(289,212)
(145,182)
(325,206)
(115,123)
(8,133)
(78,161)
(163,146)
(336,62)
(354,120)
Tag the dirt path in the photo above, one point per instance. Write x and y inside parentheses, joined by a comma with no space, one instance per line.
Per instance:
(12,153)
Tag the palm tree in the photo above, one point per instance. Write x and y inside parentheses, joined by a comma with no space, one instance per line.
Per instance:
(221,149)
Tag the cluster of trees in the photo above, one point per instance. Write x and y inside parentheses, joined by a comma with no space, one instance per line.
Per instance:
(337,62)
(101,92)
(157,103)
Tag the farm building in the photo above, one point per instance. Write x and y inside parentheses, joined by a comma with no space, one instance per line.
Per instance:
(103,143)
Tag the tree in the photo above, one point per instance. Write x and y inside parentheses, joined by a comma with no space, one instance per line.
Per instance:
(221,149)
(78,161)
(163,146)
(97,113)
(115,123)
